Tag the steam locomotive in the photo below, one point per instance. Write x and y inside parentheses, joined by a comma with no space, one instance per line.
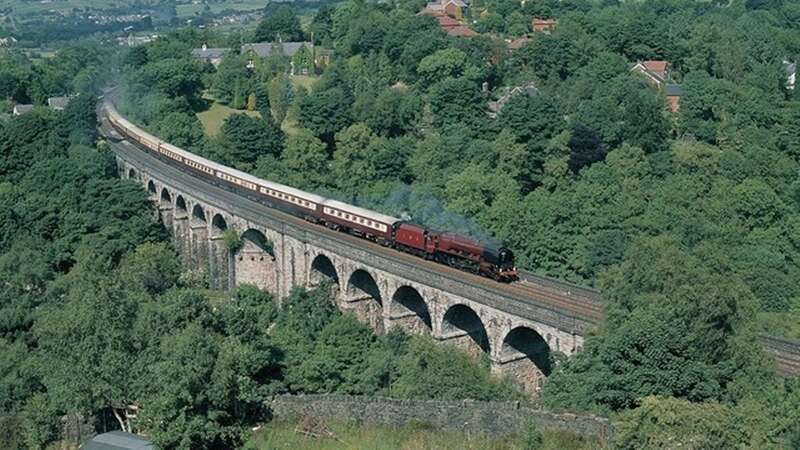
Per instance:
(454,250)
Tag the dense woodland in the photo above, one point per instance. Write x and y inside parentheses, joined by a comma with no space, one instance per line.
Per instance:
(688,222)
(97,314)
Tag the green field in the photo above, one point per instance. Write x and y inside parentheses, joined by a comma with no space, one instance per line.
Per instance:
(190,9)
(341,436)
(24,8)
(213,117)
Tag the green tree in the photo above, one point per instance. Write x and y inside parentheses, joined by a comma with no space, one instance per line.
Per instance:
(354,161)
(456,100)
(246,138)
(325,113)
(283,26)
(449,62)
(306,160)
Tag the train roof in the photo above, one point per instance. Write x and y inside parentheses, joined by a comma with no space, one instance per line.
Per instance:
(268,184)
(383,218)
(246,176)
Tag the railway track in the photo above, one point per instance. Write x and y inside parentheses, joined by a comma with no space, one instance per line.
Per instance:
(583,303)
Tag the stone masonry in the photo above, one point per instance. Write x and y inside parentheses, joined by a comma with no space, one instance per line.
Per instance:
(518,338)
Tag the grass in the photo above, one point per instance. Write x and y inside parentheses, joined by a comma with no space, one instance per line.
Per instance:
(303,80)
(213,117)
(786,324)
(184,10)
(189,9)
(347,436)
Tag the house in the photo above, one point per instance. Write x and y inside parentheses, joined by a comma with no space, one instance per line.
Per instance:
(118,440)
(461,31)
(7,42)
(673,92)
(322,57)
(657,72)
(451,8)
(302,55)
(447,23)
(209,55)
(22,109)
(791,74)
(540,25)
(518,43)
(58,103)
(507,93)
(134,41)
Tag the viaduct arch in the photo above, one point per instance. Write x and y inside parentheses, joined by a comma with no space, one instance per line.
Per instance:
(237,241)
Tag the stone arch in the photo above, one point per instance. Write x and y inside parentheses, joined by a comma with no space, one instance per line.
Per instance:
(198,216)
(132,174)
(166,199)
(151,187)
(180,205)
(524,342)
(409,308)
(362,284)
(363,297)
(218,226)
(461,320)
(255,261)
(525,356)
(322,269)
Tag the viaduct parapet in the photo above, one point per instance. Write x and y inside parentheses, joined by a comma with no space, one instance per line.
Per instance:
(382,287)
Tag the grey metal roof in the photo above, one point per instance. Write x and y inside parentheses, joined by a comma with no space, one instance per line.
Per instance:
(790,68)
(264,49)
(673,90)
(22,109)
(58,102)
(118,440)
(209,53)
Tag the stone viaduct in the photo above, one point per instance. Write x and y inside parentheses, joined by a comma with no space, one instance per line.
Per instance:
(383,288)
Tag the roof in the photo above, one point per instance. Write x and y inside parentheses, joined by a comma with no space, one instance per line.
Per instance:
(264,49)
(447,22)
(508,93)
(209,53)
(461,31)
(383,218)
(790,68)
(58,102)
(118,440)
(22,109)
(540,21)
(673,90)
(455,2)
(518,43)
(655,66)
(655,69)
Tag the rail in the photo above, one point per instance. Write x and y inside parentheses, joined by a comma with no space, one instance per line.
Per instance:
(562,287)
(785,351)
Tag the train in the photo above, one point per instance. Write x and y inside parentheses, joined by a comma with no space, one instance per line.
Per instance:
(458,251)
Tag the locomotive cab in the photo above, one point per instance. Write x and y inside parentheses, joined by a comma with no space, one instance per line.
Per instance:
(505,265)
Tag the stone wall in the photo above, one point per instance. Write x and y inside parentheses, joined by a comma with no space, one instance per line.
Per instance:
(494,418)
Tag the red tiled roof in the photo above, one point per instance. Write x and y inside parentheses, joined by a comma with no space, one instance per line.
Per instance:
(448,22)
(656,66)
(461,31)
(518,43)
